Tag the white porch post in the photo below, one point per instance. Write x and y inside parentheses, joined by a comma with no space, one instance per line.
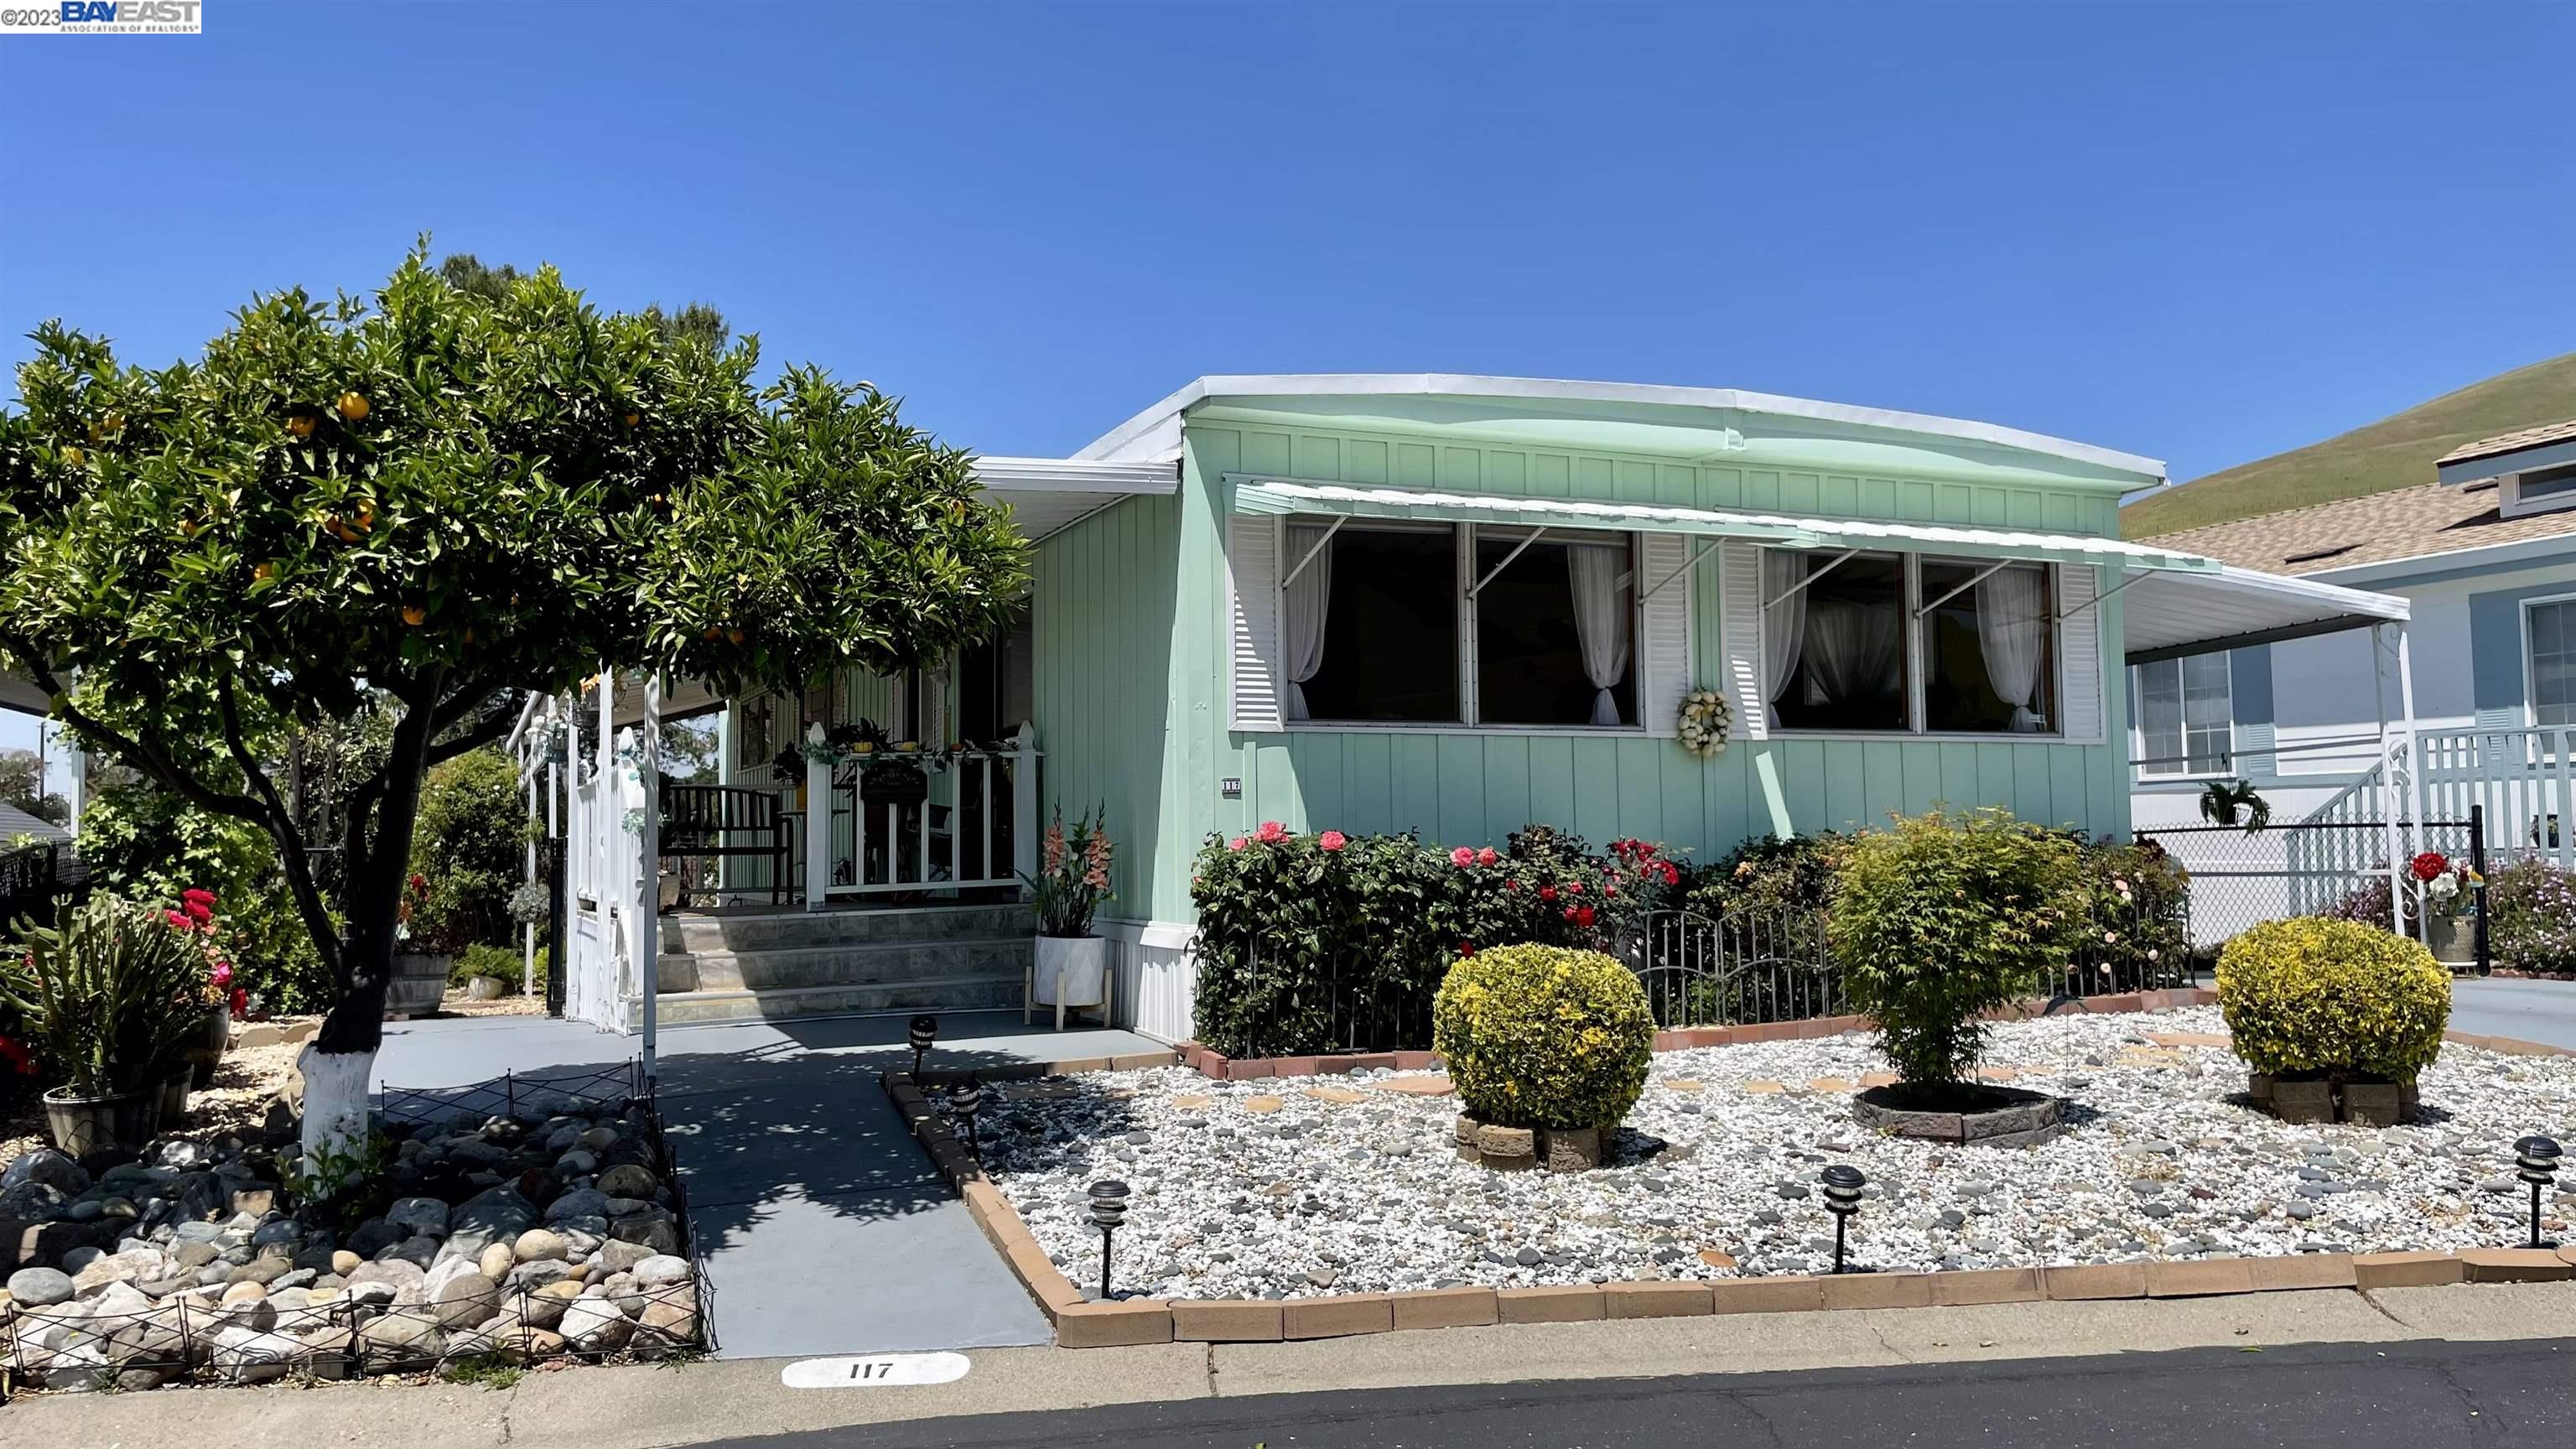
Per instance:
(648,921)
(1024,804)
(818,824)
(2414,768)
(2388,797)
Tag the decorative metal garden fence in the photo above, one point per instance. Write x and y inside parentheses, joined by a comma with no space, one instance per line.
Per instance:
(1747,967)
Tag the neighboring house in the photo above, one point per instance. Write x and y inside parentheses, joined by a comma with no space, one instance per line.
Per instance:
(1454,605)
(2486,558)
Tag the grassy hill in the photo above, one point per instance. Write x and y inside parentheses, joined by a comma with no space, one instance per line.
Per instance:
(2395,452)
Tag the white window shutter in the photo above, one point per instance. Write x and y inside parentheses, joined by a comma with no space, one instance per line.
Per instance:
(934,706)
(1252,557)
(1739,590)
(1663,633)
(2079,654)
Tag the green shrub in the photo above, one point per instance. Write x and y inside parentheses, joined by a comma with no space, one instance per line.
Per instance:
(1941,918)
(2311,995)
(110,994)
(470,845)
(1543,1036)
(501,963)
(2136,900)
(2531,918)
(144,843)
(1769,872)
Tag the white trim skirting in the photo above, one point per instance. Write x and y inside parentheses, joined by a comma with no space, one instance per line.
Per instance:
(1157,976)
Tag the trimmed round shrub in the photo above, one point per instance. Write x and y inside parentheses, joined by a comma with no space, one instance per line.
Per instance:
(1544,1036)
(1941,918)
(2311,995)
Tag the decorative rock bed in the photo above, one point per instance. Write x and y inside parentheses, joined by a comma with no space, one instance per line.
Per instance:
(547,1232)
(1292,1189)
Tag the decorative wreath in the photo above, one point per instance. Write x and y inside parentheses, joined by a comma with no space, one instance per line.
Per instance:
(1704,722)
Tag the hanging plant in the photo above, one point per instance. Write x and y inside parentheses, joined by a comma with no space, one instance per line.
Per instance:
(1704,722)
(2231,802)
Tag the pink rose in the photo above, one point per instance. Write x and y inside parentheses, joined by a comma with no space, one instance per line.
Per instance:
(1271,832)
(1332,840)
(1486,856)
(1462,857)
(1235,844)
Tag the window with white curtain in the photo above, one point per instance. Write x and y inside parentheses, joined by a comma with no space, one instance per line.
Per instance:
(1837,655)
(1833,638)
(2185,716)
(1372,619)
(2549,633)
(1987,632)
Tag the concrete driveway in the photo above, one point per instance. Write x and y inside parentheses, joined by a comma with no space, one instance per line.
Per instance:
(823,1227)
(2542,1011)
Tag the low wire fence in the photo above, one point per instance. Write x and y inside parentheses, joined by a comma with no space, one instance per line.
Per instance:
(198,1336)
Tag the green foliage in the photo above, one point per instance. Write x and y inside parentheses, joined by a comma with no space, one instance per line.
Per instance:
(2232,802)
(1328,942)
(2311,995)
(1544,1036)
(110,994)
(498,963)
(1942,917)
(418,502)
(22,786)
(471,846)
(2134,901)
(1768,872)
(2531,918)
(346,1183)
(147,844)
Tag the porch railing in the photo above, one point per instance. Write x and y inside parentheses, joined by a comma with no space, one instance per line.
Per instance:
(938,822)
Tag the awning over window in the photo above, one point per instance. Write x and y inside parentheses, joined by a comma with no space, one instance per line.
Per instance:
(1273,495)
(2170,615)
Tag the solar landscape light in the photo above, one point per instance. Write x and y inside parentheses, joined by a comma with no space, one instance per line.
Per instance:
(2537,1157)
(1108,1210)
(925,1030)
(965,1099)
(1843,1183)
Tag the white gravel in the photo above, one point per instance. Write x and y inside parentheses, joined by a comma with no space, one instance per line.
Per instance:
(1328,1196)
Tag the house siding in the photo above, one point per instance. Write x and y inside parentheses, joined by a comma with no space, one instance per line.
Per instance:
(1132,634)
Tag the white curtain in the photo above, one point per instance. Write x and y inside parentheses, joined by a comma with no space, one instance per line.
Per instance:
(1852,649)
(1601,622)
(1784,624)
(1310,594)
(2012,628)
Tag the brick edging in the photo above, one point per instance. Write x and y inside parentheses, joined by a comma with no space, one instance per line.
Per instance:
(1220,1067)
(1083,1324)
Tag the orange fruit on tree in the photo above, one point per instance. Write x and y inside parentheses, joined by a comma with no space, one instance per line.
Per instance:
(733,636)
(631,419)
(74,456)
(415,615)
(366,517)
(262,573)
(710,632)
(301,425)
(353,405)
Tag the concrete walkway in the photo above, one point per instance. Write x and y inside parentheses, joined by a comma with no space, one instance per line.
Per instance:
(823,1226)
(2542,1011)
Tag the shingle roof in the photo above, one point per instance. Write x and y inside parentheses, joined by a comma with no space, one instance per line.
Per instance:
(2377,528)
(15,822)
(2513,442)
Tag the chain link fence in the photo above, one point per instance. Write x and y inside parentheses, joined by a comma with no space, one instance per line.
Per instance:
(2240,878)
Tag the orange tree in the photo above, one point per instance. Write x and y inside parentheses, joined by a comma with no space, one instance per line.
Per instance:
(427,501)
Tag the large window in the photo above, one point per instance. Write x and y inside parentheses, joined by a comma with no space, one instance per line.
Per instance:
(1837,653)
(1372,617)
(1986,648)
(2549,633)
(2185,716)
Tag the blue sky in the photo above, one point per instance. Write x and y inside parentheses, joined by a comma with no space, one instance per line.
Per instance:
(2200,232)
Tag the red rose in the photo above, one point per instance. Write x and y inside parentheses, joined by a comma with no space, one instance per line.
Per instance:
(1574,887)
(1583,917)
(1466,948)
(2428,865)
(1547,893)
(1512,884)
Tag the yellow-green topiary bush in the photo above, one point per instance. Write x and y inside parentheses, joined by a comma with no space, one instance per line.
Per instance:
(2311,995)
(1544,1036)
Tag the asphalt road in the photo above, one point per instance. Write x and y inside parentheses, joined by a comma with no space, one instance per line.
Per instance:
(2413,1395)
(2543,1011)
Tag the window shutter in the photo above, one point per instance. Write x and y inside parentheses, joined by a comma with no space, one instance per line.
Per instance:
(2079,653)
(1663,633)
(1739,588)
(1252,557)
(934,706)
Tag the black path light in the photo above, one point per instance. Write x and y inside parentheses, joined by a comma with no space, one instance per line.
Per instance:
(2537,1156)
(1108,1210)
(925,1030)
(1843,1183)
(965,1099)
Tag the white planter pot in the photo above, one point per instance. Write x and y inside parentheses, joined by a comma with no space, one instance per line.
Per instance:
(1071,970)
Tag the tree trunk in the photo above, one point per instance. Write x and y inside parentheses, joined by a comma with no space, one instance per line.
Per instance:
(339,1065)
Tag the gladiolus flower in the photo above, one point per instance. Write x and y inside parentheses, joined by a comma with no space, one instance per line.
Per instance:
(1462,857)
(1332,840)
(179,920)
(198,895)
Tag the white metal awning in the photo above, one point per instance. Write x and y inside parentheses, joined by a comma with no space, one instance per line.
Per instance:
(2168,615)
(1280,495)
(1048,494)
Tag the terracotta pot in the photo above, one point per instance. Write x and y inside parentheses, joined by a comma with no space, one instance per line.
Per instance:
(83,1125)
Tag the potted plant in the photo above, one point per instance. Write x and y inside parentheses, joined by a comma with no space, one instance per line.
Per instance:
(422,954)
(2333,1019)
(111,994)
(1072,964)
(2450,894)
(223,1000)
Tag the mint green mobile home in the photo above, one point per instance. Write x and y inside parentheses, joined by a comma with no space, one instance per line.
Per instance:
(1457,604)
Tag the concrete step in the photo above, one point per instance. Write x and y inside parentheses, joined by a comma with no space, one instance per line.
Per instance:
(938,993)
(687,931)
(848,964)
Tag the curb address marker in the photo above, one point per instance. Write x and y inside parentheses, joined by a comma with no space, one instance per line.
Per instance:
(867,1371)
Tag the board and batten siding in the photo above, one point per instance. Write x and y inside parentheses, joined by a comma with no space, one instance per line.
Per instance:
(1134,629)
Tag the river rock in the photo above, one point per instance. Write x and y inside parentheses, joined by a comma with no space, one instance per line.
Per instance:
(595,1325)
(630,1181)
(419,1215)
(45,1165)
(40,1287)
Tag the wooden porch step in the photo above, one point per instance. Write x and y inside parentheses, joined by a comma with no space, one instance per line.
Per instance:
(937,993)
